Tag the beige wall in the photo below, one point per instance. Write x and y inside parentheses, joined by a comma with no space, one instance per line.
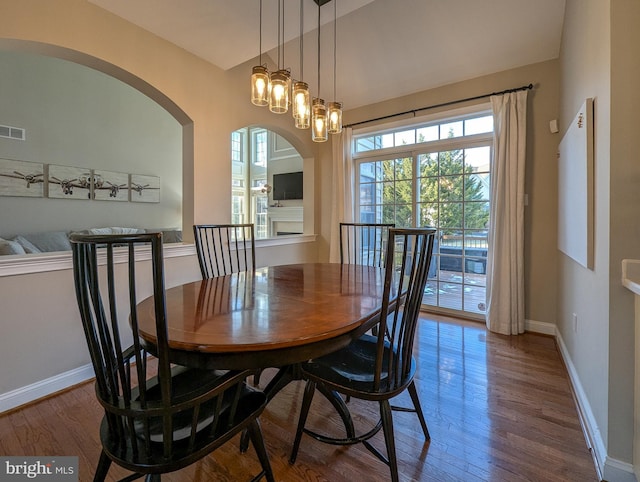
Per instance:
(585,73)
(624,219)
(599,59)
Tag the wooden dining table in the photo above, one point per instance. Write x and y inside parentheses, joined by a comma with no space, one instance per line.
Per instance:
(276,316)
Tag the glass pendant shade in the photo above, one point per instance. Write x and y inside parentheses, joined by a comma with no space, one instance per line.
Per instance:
(260,86)
(301,105)
(335,118)
(319,121)
(279,95)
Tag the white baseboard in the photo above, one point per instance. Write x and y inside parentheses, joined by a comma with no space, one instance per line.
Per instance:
(609,469)
(618,471)
(43,388)
(592,431)
(541,327)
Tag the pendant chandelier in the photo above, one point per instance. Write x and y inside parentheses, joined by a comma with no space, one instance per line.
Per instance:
(278,91)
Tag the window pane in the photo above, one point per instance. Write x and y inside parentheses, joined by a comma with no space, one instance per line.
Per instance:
(428,189)
(388,170)
(452,129)
(388,193)
(477,187)
(364,144)
(370,171)
(404,168)
(479,125)
(388,213)
(371,214)
(428,164)
(450,295)
(451,239)
(451,188)
(476,215)
(428,215)
(427,134)
(405,137)
(475,299)
(478,159)
(476,274)
(404,192)
(476,240)
(451,215)
(404,216)
(367,194)
(451,162)
(385,140)
(236,146)
(260,158)
(431,294)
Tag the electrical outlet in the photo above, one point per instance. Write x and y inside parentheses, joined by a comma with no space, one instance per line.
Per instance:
(575,322)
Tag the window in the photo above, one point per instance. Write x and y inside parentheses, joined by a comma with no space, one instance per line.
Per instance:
(442,181)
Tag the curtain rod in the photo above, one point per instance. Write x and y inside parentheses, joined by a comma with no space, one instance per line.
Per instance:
(444,104)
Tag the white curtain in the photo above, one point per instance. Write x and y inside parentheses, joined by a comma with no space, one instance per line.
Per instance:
(342,196)
(505,258)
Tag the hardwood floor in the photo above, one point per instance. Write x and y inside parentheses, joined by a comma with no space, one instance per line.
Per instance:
(498,409)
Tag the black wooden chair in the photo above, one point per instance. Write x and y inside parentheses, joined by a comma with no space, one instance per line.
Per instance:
(378,368)
(224,248)
(158,418)
(364,243)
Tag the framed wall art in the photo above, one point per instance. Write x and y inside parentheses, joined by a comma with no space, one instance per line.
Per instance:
(144,189)
(110,186)
(66,182)
(575,188)
(21,178)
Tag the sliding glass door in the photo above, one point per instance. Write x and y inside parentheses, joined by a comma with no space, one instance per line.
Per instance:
(444,183)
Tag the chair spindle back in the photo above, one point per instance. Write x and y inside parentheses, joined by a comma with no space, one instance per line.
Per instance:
(224,248)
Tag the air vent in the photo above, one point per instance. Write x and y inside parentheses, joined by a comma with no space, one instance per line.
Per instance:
(15,133)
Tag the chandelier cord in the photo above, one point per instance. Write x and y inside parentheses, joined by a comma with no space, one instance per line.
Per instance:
(260,41)
(283,61)
(279,7)
(301,41)
(335,30)
(318,50)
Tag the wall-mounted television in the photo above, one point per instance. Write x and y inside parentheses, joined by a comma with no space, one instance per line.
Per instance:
(287,186)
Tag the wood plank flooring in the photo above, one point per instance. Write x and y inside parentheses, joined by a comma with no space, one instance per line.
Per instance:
(498,409)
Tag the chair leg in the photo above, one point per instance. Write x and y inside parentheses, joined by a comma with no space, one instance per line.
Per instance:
(309,390)
(103,468)
(258,443)
(389,440)
(416,404)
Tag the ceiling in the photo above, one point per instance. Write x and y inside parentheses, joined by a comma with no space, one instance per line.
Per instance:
(385,48)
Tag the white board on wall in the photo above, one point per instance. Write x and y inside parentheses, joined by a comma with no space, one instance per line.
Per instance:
(575,188)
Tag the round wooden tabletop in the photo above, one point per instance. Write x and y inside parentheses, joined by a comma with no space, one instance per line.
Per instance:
(277,308)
